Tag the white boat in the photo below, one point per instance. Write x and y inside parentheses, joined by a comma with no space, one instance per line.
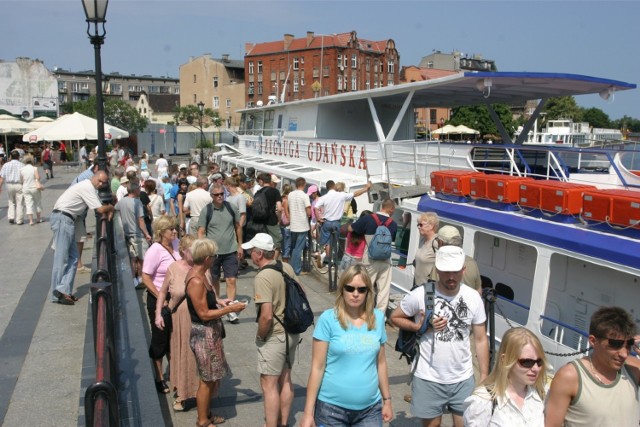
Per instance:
(552,267)
(569,133)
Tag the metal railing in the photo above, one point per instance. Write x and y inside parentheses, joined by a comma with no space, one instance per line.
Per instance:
(101,397)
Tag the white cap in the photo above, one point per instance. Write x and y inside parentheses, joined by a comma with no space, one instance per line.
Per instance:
(191,179)
(182,166)
(131,169)
(450,258)
(275,179)
(261,241)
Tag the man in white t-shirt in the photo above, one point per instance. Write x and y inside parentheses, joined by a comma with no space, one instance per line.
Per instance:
(162,166)
(444,371)
(299,215)
(195,201)
(70,205)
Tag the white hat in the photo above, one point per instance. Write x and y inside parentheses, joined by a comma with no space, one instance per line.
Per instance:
(275,179)
(144,175)
(124,180)
(182,166)
(447,233)
(131,169)
(450,258)
(191,179)
(261,241)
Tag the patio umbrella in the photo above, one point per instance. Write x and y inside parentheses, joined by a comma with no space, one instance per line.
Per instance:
(74,126)
(445,130)
(10,125)
(466,130)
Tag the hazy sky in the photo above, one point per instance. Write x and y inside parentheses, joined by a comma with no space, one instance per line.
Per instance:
(596,38)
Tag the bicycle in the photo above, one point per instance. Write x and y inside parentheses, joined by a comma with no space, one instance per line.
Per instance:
(332,260)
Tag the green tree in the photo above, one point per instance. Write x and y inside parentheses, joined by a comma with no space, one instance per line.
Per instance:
(626,123)
(477,117)
(190,115)
(563,107)
(596,117)
(117,112)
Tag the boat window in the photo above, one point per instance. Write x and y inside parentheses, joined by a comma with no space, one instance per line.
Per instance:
(401,253)
(268,122)
(307,170)
(289,166)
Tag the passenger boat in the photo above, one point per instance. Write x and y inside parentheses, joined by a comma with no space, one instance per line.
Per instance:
(574,134)
(554,229)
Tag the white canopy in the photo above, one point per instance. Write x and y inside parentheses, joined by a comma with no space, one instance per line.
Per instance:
(10,125)
(462,129)
(74,126)
(445,130)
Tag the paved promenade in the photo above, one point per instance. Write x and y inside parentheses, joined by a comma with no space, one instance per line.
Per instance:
(46,356)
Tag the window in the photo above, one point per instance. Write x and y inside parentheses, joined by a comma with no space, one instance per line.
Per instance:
(367,85)
(115,89)
(339,82)
(339,60)
(273,75)
(259,88)
(296,85)
(250,91)
(430,64)
(176,90)
(433,116)
(136,88)
(296,63)
(62,86)
(215,82)
(228,102)
(367,64)
(80,87)
(325,70)
(316,72)
(216,102)
(354,83)
(390,66)
(354,60)
(302,81)
(195,80)
(259,67)
(282,75)
(390,82)
(375,66)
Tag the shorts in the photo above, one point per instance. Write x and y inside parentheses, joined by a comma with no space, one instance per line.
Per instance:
(272,356)
(276,235)
(430,399)
(137,247)
(326,229)
(81,229)
(327,414)
(229,265)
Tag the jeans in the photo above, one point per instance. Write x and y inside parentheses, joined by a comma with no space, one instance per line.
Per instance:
(286,242)
(298,242)
(331,415)
(65,256)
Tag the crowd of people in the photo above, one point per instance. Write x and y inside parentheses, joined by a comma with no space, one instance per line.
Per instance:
(188,232)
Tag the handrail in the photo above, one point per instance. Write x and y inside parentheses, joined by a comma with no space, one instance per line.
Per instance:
(101,397)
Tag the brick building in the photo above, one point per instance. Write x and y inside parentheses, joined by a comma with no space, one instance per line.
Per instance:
(317,65)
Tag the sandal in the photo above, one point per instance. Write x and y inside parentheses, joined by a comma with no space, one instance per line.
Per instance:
(178,406)
(206,424)
(162,387)
(216,419)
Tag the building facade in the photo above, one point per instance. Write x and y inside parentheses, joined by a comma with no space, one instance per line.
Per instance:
(219,83)
(28,89)
(456,61)
(79,86)
(158,109)
(317,65)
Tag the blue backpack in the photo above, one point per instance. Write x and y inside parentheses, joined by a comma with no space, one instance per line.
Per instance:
(380,245)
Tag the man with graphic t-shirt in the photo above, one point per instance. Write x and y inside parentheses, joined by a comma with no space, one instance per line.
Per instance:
(444,371)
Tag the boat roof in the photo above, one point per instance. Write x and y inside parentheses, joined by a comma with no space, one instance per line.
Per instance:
(468,88)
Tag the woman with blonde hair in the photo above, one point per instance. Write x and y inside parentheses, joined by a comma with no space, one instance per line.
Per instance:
(513,393)
(348,383)
(206,312)
(425,259)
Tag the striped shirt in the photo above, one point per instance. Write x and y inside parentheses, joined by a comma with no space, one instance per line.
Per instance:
(10,172)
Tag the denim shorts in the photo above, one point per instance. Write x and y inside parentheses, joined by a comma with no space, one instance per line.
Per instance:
(327,415)
(430,399)
(326,229)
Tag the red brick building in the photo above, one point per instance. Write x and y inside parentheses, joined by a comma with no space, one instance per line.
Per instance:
(318,65)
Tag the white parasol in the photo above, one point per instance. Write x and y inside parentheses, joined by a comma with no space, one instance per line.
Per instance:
(74,126)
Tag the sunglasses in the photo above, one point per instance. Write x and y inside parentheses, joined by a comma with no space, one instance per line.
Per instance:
(352,289)
(528,363)
(422,224)
(217,194)
(618,344)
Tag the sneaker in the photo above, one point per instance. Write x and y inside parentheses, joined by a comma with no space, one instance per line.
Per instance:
(83,269)
(233,318)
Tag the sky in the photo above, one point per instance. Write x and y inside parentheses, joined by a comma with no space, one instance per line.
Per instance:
(594,38)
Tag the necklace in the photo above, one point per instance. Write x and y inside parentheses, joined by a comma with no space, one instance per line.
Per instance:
(595,373)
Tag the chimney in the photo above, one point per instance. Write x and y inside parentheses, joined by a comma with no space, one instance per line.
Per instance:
(225,57)
(309,38)
(248,47)
(288,38)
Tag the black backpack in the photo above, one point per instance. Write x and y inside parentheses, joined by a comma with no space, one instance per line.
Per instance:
(260,212)
(210,214)
(408,342)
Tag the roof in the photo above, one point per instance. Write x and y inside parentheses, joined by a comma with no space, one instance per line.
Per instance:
(318,41)
(163,103)
(228,63)
(425,73)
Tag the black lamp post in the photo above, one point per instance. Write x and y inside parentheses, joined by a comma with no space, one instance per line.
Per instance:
(201,109)
(96,12)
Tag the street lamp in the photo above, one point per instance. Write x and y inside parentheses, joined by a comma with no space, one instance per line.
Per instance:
(96,12)
(201,109)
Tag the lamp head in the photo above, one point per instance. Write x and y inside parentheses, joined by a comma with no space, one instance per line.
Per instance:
(201,106)
(607,93)
(96,13)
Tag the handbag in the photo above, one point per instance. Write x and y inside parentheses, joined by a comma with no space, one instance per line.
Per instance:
(166,317)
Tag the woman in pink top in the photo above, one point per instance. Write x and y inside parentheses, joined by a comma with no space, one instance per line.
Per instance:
(354,248)
(160,255)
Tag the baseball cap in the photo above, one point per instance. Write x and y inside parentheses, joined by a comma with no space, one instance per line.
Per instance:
(275,179)
(450,258)
(261,241)
(216,176)
(182,166)
(247,179)
(312,189)
(447,233)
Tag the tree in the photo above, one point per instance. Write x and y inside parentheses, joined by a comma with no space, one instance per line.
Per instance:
(478,118)
(117,112)
(626,124)
(563,107)
(190,115)
(596,117)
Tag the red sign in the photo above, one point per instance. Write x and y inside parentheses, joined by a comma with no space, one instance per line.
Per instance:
(33,138)
(162,130)
(107,136)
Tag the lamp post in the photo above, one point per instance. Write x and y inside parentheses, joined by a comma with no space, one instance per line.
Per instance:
(201,109)
(96,12)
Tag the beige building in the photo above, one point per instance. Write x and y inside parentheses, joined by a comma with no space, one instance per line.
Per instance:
(158,109)
(218,82)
